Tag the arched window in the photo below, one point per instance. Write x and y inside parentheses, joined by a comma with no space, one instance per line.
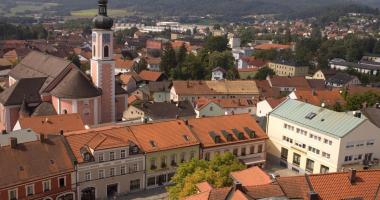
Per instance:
(106,51)
(93,51)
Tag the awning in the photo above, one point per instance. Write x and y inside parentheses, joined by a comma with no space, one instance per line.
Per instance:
(254,160)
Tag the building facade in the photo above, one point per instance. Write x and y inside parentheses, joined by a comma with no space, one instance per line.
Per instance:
(287,69)
(110,162)
(311,139)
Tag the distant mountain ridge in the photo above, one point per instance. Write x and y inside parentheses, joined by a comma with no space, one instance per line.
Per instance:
(204,7)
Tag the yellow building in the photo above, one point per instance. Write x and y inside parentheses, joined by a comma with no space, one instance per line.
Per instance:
(166,144)
(283,68)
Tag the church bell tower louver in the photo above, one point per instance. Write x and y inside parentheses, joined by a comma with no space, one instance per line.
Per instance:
(102,63)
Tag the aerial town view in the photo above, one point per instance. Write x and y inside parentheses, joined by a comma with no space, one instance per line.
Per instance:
(189,99)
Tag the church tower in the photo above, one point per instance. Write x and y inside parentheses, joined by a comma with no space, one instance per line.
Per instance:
(102,63)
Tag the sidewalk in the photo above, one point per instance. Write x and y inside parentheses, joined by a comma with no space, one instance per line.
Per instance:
(151,194)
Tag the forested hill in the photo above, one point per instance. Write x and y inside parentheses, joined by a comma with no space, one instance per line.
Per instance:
(204,7)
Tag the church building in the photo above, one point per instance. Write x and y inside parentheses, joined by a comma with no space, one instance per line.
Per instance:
(43,84)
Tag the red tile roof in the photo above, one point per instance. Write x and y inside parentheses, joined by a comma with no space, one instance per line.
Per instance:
(275,102)
(53,124)
(252,176)
(338,185)
(204,186)
(202,127)
(150,75)
(100,139)
(272,46)
(298,82)
(165,135)
(317,97)
(32,161)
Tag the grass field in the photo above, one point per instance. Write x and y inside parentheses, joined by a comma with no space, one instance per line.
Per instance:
(23,7)
(93,12)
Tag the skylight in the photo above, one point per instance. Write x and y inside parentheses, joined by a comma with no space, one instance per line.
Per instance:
(311,115)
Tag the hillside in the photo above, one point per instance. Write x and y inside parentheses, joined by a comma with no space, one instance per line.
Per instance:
(201,7)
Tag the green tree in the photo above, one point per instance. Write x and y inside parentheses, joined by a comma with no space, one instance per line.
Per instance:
(355,102)
(168,59)
(376,48)
(216,43)
(263,73)
(246,35)
(216,172)
(142,65)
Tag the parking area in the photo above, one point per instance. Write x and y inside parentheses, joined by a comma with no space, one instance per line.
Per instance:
(275,168)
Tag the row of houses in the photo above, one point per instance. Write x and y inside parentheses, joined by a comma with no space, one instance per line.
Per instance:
(115,159)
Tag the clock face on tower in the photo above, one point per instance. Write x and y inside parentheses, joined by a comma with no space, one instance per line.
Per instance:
(106,38)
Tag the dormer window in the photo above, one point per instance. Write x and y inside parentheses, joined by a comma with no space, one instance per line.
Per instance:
(87,157)
(152,143)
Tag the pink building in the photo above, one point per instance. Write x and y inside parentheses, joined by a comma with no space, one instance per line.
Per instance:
(42,84)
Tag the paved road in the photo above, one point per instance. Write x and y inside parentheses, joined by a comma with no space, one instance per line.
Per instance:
(152,194)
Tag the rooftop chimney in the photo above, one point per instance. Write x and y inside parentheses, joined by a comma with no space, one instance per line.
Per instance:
(13,142)
(313,195)
(4,132)
(61,132)
(238,186)
(187,122)
(42,138)
(352,175)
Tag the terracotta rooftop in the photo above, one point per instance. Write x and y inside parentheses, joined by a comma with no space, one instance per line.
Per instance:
(124,63)
(151,75)
(163,135)
(227,103)
(207,128)
(275,102)
(215,87)
(317,97)
(298,82)
(267,46)
(366,185)
(100,139)
(204,186)
(53,124)
(251,177)
(32,161)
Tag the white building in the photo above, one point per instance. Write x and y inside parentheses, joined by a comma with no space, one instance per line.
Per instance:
(234,42)
(218,74)
(307,138)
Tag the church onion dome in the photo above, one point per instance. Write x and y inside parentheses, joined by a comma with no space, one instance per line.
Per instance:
(102,21)
(76,85)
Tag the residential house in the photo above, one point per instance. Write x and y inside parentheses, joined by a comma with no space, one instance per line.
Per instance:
(160,91)
(225,89)
(284,68)
(166,144)
(252,176)
(52,124)
(128,82)
(267,105)
(153,111)
(237,134)
(153,63)
(372,57)
(218,73)
(308,138)
(124,65)
(322,98)
(342,80)
(216,107)
(110,162)
(288,84)
(44,169)
(323,74)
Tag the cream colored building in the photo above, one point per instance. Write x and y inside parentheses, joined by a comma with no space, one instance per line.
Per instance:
(223,89)
(110,162)
(288,69)
(311,139)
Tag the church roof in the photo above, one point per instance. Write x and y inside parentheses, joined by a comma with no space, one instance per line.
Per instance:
(76,85)
(26,88)
(44,109)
